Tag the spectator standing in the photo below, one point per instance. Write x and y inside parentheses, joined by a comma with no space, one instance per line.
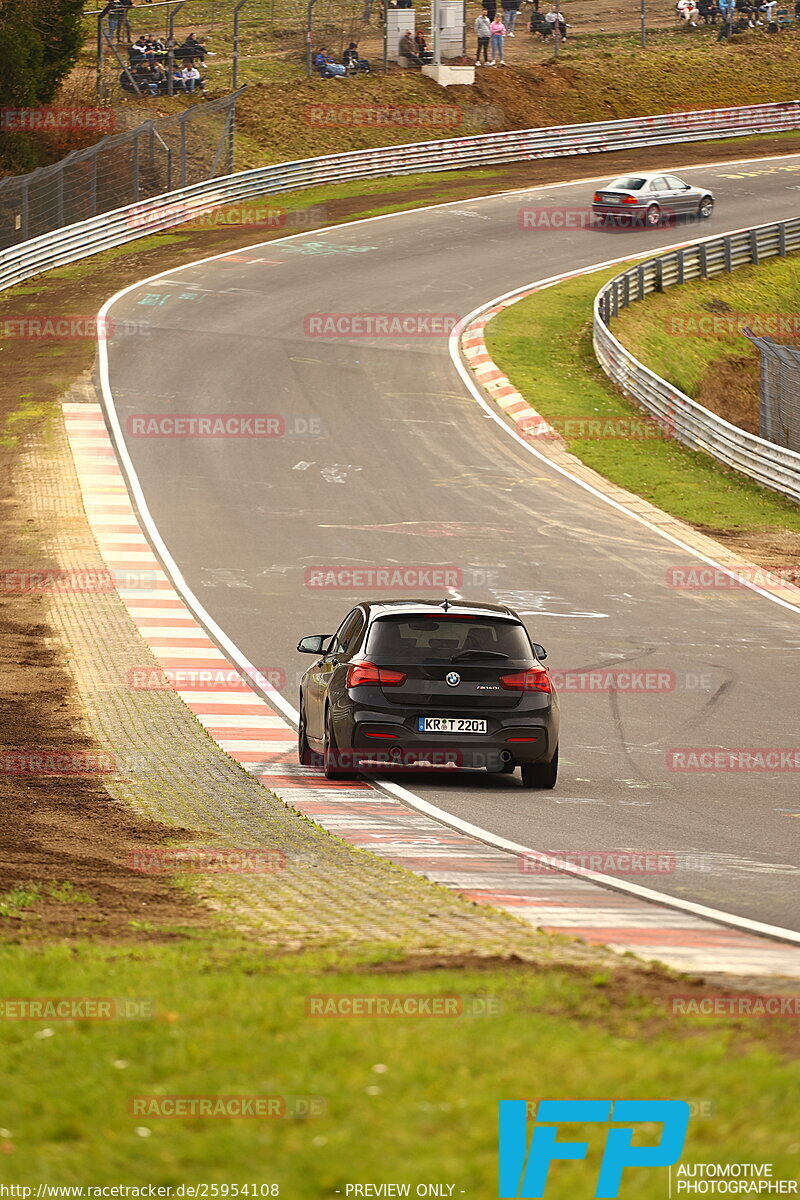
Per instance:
(510,14)
(491,9)
(498,35)
(113,17)
(124,26)
(483,31)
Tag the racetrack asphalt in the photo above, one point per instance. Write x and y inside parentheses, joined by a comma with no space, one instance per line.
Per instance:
(387,460)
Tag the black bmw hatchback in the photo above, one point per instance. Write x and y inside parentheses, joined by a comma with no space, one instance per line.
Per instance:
(412,684)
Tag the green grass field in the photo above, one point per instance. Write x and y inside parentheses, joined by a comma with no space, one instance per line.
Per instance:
(407,1099)
(544,345)
(771,289)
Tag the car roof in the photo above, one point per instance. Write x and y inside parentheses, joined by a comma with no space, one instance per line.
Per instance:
(383,608)
(644,174)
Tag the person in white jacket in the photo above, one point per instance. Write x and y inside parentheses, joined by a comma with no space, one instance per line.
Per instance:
(483,30)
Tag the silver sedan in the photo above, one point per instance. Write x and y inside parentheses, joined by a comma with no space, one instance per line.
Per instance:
(648,198)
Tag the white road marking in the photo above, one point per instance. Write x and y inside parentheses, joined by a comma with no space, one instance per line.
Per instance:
(273,696)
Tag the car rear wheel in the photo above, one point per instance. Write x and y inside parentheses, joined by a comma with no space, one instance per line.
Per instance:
(331,755)
(653,216)
(541,775)
(706,207)
(307,756)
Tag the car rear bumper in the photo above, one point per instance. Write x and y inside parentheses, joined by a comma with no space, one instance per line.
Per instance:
(622,214)
(394,744)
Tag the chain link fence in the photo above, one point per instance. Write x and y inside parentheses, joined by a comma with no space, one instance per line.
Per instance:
(780,392)
(158,156)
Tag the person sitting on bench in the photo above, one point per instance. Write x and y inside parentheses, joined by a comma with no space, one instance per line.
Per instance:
(408,49)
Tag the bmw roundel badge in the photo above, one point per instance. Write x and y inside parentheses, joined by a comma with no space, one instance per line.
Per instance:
(453,679)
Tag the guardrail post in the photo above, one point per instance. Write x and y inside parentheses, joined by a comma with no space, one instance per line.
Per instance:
(681,266)
(615,299)
(782,240)
(640,283)
(728,248)
(626,290)
(754,246)
(703,257)
(659,283)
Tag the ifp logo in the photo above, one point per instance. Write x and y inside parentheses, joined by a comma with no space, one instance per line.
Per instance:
(524,1167)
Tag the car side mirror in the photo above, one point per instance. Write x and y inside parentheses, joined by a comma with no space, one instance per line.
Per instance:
(314,643)
(539,651)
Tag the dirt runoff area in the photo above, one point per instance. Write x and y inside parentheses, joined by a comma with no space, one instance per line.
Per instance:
(66,841)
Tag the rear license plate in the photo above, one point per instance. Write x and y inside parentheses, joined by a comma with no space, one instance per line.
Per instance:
(451,725)
(611,200)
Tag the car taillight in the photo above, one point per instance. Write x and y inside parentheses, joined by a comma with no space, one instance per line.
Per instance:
(534,680)
(597,198)
(630,200)
(367,673)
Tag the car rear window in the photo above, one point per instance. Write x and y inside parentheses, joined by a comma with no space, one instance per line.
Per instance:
(626,183)
(423,639)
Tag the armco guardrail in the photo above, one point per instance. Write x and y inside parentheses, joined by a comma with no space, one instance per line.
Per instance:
(776,468)
(124,224)
(770,465)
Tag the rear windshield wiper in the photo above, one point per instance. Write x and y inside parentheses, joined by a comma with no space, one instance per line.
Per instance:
(479,654)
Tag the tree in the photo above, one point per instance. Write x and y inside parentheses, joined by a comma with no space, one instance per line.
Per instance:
(39,45)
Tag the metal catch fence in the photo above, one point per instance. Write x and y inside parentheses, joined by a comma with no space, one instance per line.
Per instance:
(184,148)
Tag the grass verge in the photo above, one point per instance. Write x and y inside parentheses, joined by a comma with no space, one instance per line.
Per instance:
(230,1021)
(692,335)
(544,345)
